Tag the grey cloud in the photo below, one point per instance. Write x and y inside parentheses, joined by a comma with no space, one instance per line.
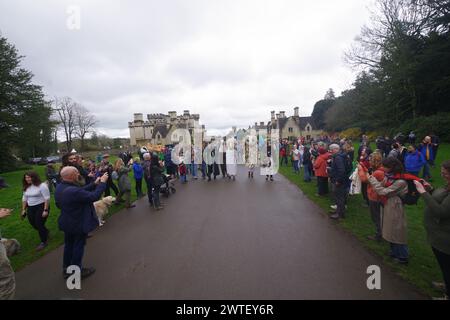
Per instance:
(231,62)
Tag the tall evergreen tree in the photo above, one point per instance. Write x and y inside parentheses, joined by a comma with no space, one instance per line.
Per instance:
(25,125)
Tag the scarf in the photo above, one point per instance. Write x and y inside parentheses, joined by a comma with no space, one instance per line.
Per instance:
(391,178)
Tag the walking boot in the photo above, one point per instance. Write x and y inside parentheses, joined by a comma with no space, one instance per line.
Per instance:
(374,238)
(41,246)
(335,216)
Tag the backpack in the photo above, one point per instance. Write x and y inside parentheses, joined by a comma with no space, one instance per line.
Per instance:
(348,165)
(411,198)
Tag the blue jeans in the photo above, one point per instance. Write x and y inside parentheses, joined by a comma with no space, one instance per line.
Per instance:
(203,169)
(399,251)
(183,178)
(73,249)
(307,170)
(194,170)
(426,170)
(296,168)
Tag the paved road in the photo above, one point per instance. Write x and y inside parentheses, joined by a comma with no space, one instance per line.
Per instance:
(220,240)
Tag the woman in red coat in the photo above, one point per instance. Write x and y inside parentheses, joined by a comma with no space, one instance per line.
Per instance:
(320,168)
(364,161)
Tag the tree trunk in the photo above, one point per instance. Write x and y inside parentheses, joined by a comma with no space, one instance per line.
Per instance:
(82,144)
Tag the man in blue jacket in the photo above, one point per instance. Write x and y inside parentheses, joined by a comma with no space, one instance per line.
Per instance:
(414,161)
(339,176)
(138,172)
(78,216)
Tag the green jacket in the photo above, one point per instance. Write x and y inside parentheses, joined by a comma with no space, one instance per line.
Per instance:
(437,219)
(124,180)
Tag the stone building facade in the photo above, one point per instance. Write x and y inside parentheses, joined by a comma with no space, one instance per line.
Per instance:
(294,126)
(159,128)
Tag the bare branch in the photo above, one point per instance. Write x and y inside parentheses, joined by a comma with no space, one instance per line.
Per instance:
(66,112)
(84,122)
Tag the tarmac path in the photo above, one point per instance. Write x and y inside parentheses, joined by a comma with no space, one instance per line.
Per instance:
(243,239)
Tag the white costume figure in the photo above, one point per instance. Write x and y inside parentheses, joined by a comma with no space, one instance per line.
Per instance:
(267,167)
(231,157)
(251,153)
(302,151)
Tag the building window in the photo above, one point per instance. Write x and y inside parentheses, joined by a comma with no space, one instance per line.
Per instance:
(291,130)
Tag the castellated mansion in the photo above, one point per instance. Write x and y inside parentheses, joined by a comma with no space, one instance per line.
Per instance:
(157,129)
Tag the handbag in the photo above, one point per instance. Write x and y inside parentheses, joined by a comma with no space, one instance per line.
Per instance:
(355,187)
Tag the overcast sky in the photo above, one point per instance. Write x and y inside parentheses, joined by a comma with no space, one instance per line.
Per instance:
(231,61)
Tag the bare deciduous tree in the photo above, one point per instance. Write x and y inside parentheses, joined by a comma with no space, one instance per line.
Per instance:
(67,118)
(390,22)
(84,122)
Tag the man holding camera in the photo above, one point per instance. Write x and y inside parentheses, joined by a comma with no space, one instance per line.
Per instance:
(78,217)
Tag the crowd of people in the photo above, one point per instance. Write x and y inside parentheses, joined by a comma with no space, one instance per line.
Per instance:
(77,183)
(388,179)
(391,177)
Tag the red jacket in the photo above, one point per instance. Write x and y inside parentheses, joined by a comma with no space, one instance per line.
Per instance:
(320,165)
(182,169)
(371,193)
(365,162)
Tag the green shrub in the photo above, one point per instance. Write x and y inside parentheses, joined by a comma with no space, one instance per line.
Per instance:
(351,133)
(439,124)
(13,165)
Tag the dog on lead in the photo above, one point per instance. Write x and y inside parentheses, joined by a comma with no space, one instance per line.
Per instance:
(102,208)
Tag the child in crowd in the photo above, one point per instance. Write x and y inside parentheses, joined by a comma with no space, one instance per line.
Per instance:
(183,172)
(138,172)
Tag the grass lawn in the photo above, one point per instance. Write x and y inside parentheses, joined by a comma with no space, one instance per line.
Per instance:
(422,268)
(16,228)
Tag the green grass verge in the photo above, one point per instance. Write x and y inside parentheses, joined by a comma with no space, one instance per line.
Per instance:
(422,268)
(16,228)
